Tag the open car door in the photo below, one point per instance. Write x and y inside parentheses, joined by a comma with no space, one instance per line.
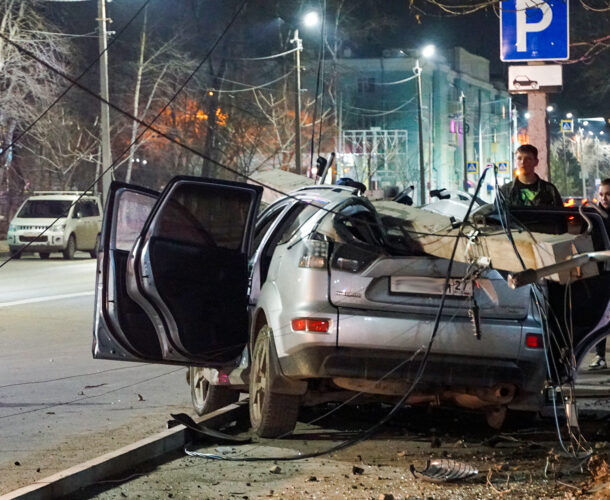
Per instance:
(179,294)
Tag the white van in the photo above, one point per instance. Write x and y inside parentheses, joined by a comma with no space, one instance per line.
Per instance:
(75,225)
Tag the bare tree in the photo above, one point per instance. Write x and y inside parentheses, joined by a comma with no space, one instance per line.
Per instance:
(26,86)
(61,144)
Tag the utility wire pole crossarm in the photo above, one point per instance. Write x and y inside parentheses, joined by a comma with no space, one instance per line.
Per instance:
(297,104)
(105,110)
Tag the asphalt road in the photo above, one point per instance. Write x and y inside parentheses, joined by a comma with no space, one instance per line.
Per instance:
(58,406)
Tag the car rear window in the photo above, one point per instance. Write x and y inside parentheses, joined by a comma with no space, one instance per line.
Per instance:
(45,209)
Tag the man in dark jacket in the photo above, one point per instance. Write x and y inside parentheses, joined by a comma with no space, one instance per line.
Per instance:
(603,196)
(529,190)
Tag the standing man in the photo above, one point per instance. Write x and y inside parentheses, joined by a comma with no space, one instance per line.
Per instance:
(527,189)
(603,195)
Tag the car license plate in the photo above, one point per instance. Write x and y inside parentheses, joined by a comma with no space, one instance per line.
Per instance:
(429,286)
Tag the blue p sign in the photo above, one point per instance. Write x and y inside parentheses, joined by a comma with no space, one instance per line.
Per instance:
(534,30)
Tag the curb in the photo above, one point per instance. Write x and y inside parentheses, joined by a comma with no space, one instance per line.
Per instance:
(71,480)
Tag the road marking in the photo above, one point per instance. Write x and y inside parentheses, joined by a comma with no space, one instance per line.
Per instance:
(44,299)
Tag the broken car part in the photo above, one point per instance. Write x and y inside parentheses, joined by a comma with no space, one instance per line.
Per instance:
(444,470)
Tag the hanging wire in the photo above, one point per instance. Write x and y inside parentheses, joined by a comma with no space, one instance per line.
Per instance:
(148,126)
(274,56)
(250,88)
(377,112)
(72,84)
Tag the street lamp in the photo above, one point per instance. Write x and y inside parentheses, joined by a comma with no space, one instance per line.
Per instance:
(426,52)
(310,20)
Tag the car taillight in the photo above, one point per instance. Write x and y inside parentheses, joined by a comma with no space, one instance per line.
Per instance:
(533,341)
(315,254)
(352,258)
(310,325)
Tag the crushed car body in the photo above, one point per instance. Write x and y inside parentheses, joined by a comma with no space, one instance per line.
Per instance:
(324,295)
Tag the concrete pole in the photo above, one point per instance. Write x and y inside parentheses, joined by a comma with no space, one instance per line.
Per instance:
(464,143)
(422,168)
(537,131)
(297,103)
(107,175)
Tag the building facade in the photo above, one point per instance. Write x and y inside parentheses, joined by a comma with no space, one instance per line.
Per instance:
(466,121)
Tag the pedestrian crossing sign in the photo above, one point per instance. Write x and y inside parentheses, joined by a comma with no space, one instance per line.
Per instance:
(503,167)
(567,126)
(472,167)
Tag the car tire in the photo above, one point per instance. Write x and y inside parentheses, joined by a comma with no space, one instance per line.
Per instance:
(70,248)
(95,250)
(43,255)
(206,397)
(271,414)
(15,254)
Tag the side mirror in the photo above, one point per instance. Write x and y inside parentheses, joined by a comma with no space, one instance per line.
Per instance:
(77,215)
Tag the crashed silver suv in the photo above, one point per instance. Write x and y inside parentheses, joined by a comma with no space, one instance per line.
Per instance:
(317,298)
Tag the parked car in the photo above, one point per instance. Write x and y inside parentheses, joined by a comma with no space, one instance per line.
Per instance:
(316,298)
(69,220)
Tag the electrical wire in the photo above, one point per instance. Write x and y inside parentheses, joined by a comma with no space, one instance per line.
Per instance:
(403,399)
(65,403)
(73,84)
(372,113)
(274,56)
(148,126)
(46,381)
(242,175)
(538,296)
(250,88)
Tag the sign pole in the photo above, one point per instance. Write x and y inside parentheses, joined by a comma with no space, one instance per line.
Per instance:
(537,130)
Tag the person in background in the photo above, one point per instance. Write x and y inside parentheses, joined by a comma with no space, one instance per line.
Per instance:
(603,195)
(528,189)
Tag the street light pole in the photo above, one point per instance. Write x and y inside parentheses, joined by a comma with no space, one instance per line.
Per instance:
(422,170)
(297,102)
(105,112)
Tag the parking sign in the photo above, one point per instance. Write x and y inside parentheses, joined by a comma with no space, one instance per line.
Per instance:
(534,30)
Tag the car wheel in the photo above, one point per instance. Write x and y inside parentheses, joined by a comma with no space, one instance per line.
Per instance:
(43,255)
(271,414)
(15,254)
(206,397)
(70,248)
(95,250)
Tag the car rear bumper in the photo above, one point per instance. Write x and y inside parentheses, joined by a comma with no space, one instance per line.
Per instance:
(441,371)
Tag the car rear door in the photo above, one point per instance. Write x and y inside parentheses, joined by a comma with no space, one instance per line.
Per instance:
(188,271)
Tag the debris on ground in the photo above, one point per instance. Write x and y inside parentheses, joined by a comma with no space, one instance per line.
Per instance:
(444,470)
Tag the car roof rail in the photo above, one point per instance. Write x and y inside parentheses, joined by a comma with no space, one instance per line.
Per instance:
(86,193)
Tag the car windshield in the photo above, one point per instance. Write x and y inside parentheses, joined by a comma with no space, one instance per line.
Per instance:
(44,209)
